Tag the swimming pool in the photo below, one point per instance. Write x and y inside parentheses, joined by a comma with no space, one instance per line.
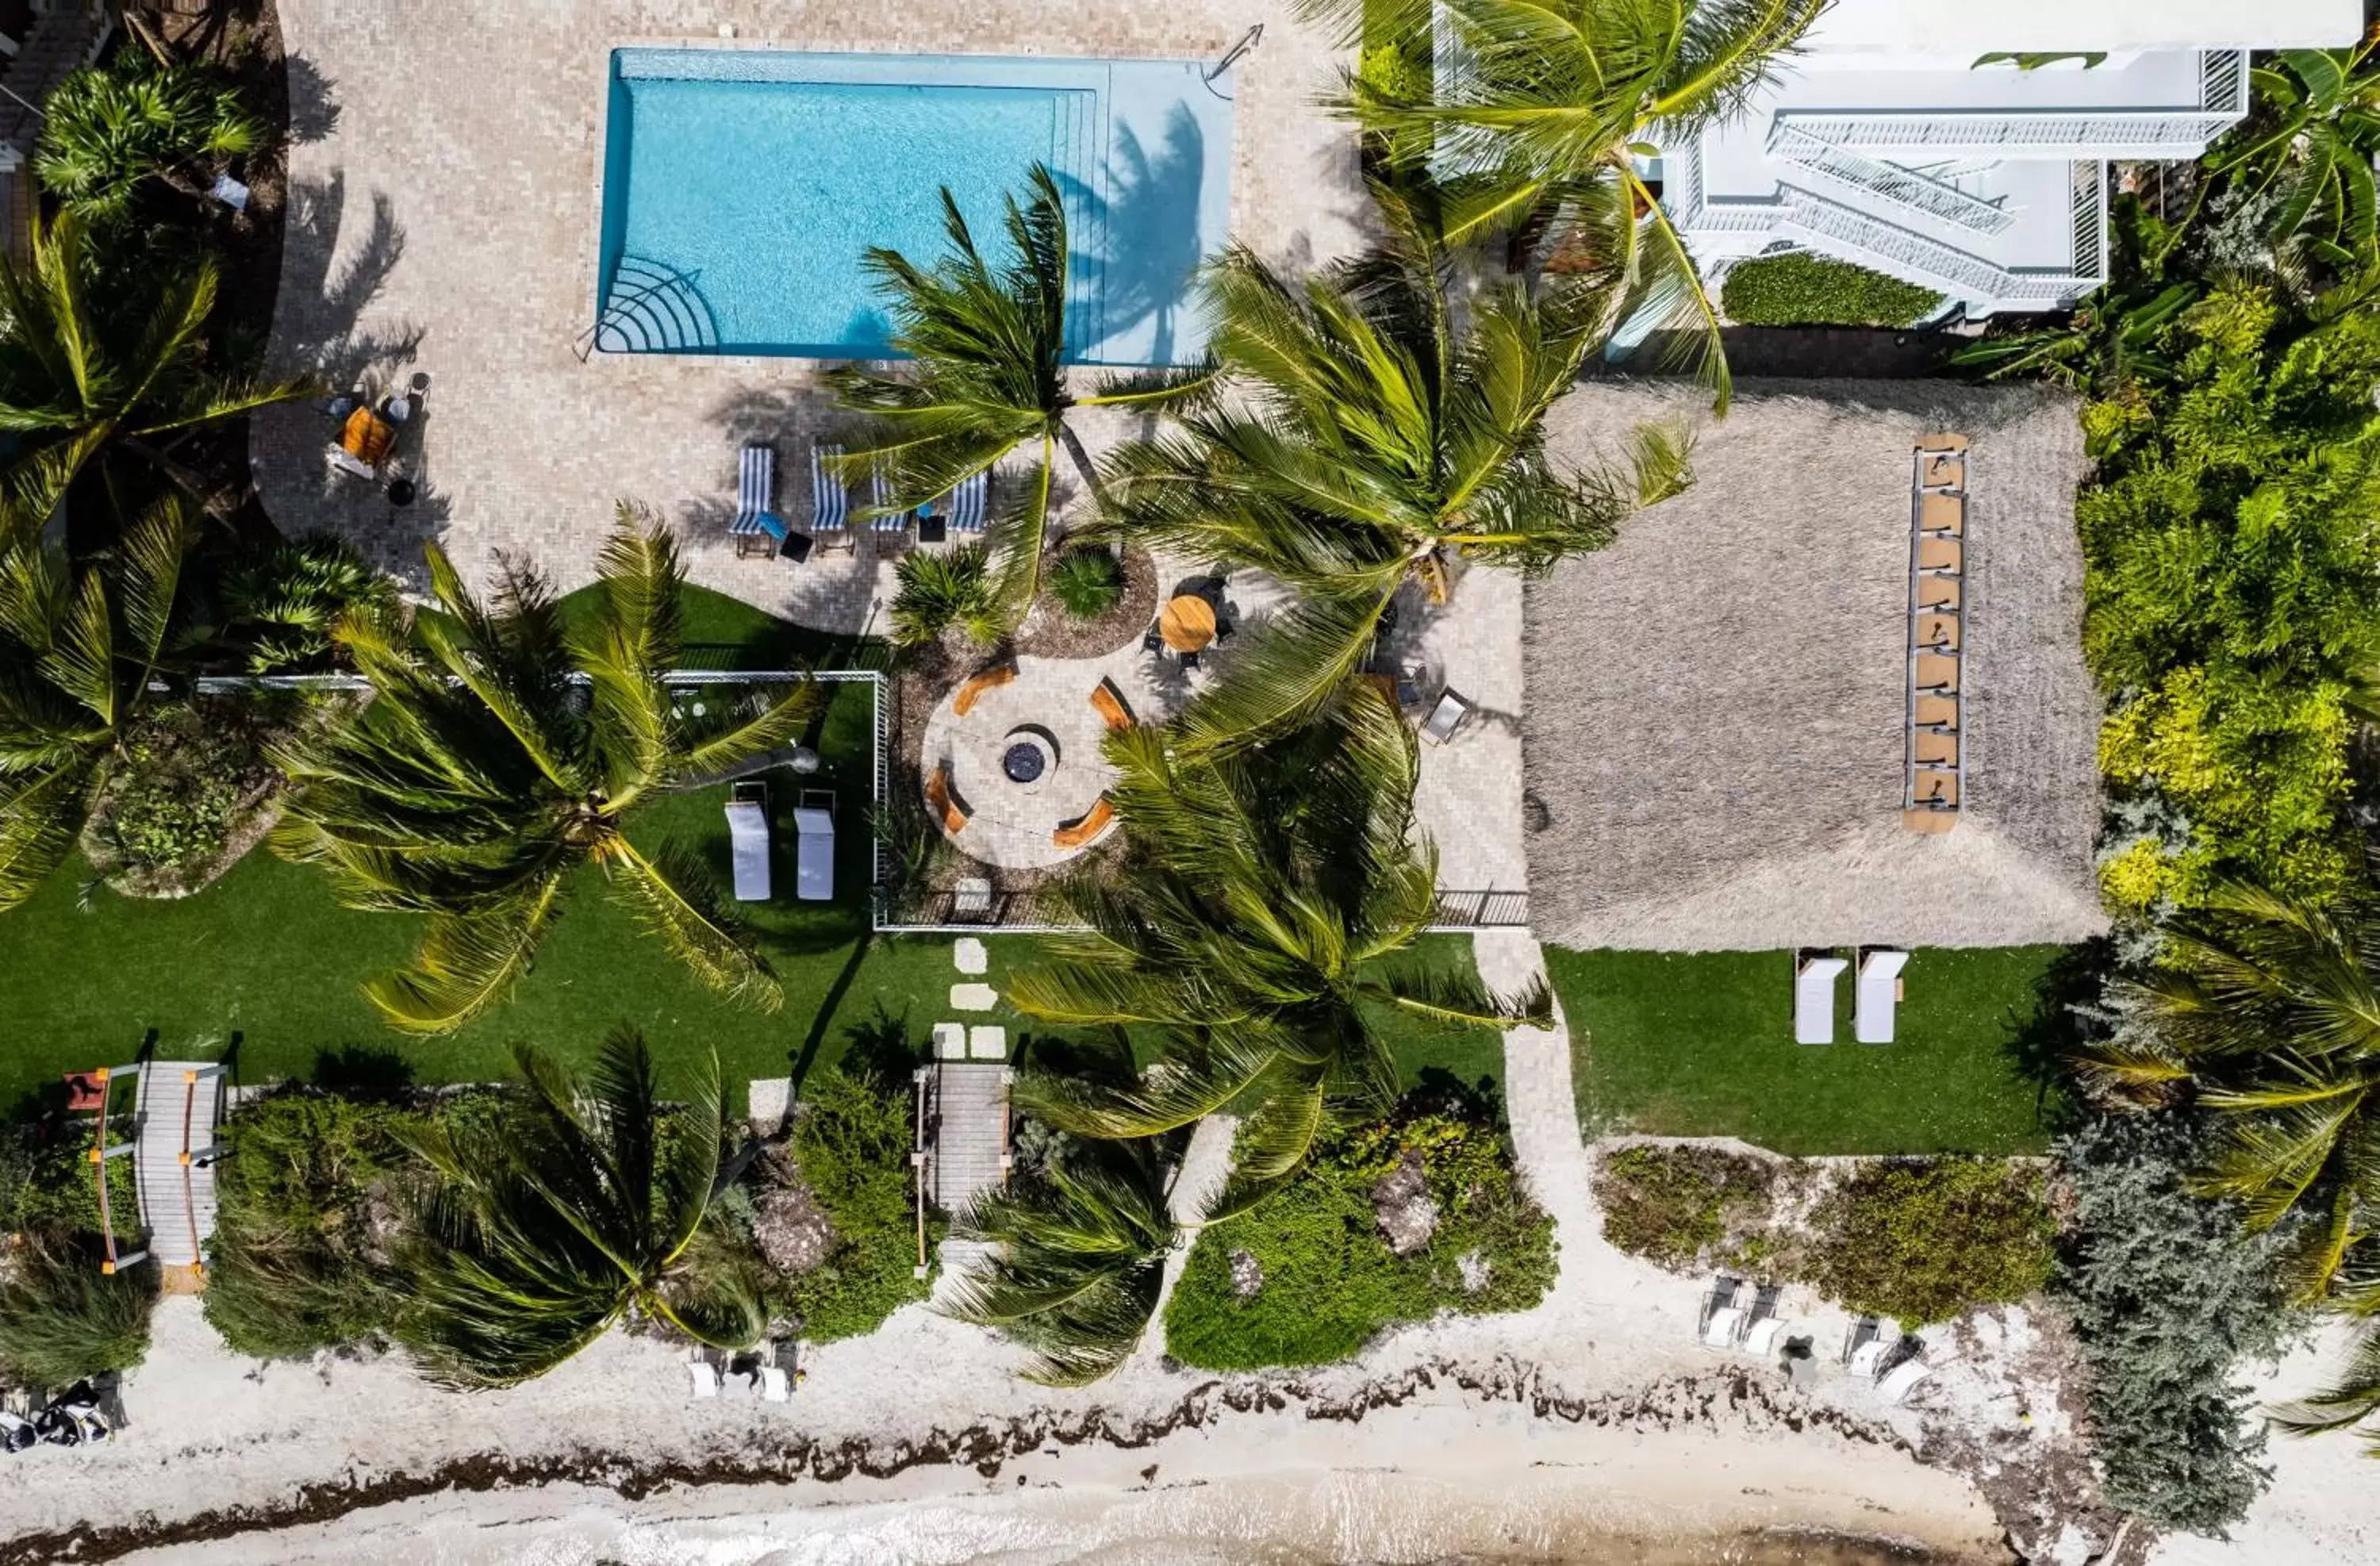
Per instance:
(742,187)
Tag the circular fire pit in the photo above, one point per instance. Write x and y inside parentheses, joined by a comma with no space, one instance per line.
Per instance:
(1028,755)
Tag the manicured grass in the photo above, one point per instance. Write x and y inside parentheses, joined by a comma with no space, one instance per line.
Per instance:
(1702,1045)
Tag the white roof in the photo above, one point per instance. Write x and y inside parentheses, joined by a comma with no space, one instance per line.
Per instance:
(1963,27)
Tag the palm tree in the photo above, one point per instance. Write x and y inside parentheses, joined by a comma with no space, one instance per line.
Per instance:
(2310,146)
(1081,1260)
(544,1227)
(108,129)
(990,346)
(77,651)
(1548,110)
(1381,440)
(2271,1008)
(88,371)
(1259,914)
(499,754)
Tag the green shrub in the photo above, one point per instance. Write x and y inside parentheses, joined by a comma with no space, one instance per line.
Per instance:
(108,128)
(942,590)
(277,604)
(1928,1242)
(62,1319)
(851,1144)
(1806,290)
(1687,1209)
(1087,581)
(294,1265)
(175,795)
(1330,1282)
(47,1186)
(2169,1297)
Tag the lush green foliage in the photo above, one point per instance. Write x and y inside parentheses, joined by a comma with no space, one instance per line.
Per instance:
(62,1319)
(1925,1242)
(2169,1296)
(179,785)
(1382,436)
(1686,1207)
(1087,581)
(274,607)
(1553,106)
(480,777)
(987,346)
(2230,599)
(940,591)
(1082,1242)
(2310,146)
(105,129)
(1700,1044)
(46,1187)
(295,1263)
(1258,915)
(536,1232)
(1798,289)
(1330,1282)
(851,1144)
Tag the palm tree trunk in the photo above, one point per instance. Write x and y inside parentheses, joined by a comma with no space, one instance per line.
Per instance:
(188,479)
(1075,449)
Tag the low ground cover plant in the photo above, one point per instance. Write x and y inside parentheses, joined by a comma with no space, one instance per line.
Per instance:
(1806,290)
(1393,1221)
(63,1320)
(1687,1208)
(189,780)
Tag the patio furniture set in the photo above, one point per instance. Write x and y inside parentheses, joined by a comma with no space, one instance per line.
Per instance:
(760,531)
(1936,770)
(369,433)
(1024,760)
(1876,995)
(1185,628)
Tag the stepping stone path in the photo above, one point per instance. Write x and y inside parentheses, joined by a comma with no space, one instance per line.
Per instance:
(970,955)
(972,997)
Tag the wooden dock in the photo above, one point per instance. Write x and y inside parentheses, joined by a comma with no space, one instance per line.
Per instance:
(173,1158)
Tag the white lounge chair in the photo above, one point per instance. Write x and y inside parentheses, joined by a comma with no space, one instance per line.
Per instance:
(775,1384)
(1877,993)
(1761,1337)
(704,1377)
(1445,717)
(1723,1314)
(1814,998)
(1868,1358)
(757,530)
(970,503)
(1902,1380)
(814,848)
(747,838)
(830,502)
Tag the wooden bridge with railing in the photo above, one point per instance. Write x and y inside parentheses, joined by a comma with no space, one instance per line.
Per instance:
(176,1108)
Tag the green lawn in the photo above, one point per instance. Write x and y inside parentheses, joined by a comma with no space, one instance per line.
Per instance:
(266,958)
(1702,1045)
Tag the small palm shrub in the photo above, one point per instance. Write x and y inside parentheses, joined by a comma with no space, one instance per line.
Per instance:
(1087,582)
(1805,290)
(63,1320)
(108,128)
(942,591)
(277,605)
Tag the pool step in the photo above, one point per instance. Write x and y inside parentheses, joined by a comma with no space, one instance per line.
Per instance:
(652,308)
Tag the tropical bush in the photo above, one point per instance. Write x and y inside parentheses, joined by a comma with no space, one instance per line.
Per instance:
(1687,1208)
(62,1319)
(939,591)
(107,130)
(2169,1296)
(276,607)
(1087,581)
(850,1149)
(1924,1241)
(1798,289)
(183,782)
(2231,596)
(1307,1276)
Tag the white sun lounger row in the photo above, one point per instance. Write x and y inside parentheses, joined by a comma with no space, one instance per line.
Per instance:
(1876,997)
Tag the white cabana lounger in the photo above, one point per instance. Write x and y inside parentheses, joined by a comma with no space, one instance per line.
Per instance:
(747,838)
(1814,998)
(813,850)
(1902,1380)
(1723,1314)
(702,1377)
(1877,993)
(1761,1338)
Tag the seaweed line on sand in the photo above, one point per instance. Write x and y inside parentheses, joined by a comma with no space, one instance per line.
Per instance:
(1681,1403)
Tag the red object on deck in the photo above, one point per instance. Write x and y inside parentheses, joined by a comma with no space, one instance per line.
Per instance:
(86,1091)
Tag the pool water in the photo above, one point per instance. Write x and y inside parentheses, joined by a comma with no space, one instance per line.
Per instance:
(743,189)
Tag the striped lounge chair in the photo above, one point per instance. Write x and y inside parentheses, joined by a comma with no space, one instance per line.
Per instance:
(757,530)
(830,502)
(969,502)
(890,528)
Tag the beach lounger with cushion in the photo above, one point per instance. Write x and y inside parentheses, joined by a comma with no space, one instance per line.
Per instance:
(757,530)
(830,502)
(748,836)
(1902,1380)
(1761,1337)
(1876,996)
(1097,819)
(889,529)
(1868,1358)
(1723,1314)
(1108,702)
(814,849)
(1445,717)
(775,1384)
(702,1374)
(970,503)
(1814,997)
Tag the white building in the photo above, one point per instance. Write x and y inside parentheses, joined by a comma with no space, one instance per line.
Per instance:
(1884,142)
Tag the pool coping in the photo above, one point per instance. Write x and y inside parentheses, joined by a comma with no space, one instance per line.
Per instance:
(591,246)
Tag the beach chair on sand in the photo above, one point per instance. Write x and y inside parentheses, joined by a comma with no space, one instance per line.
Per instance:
(1763,1326)
(747,837)
(1814,997)
(1723,1312)
(702,1374)
(1902,1380)
(830,502)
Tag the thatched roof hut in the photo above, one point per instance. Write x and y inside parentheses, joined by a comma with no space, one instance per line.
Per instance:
(1715,731)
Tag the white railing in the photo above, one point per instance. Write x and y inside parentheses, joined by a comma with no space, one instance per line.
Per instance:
(1917,258)
(2223,82)
(1887,182)
(2089,183)
(2062,133)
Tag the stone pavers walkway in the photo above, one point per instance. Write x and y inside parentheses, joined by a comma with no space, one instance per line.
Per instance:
(1544,1110)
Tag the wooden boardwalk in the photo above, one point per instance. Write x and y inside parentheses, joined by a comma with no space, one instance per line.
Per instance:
(967,1131)
(173,1162)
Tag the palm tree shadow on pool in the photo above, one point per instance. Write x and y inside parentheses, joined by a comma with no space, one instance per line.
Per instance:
(1148,246)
